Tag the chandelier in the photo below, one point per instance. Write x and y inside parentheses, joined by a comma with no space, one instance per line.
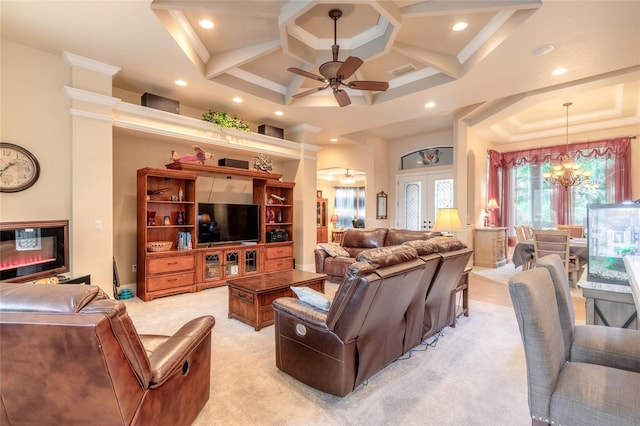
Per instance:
(567,172)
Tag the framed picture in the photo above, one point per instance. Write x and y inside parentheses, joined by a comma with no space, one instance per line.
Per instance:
(318,194)
(381,205)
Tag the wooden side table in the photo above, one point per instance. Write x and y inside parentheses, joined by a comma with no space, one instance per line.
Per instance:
(463,286)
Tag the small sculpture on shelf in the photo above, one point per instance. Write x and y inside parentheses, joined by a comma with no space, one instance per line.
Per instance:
(200,156)
(281,199)
(263,163)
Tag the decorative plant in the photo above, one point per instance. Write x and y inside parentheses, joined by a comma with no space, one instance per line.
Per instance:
(223,119)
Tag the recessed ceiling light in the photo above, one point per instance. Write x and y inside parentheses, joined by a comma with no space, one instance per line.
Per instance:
(334,139)
(237,100)
(559,71)
(205,23)
(460,26)
(278,113)
(430,105)
(542,50)
(181,83)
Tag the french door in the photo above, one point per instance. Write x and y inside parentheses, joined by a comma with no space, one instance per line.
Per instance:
(419,196)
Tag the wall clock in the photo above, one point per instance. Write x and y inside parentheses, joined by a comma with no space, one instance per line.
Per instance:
(19,169)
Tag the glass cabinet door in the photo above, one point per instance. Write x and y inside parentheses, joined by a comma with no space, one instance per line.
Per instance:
(232,263)
(250,261)
(212,266)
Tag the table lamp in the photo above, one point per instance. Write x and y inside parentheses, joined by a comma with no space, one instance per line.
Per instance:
(334,219)
(447,220)
(492,205)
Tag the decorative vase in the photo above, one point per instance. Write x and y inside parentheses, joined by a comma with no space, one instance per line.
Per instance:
(279,216)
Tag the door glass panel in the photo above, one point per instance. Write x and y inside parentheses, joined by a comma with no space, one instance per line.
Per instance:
(443,194)
(412,194)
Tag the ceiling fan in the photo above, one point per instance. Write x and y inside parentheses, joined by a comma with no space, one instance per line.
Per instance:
(335,72)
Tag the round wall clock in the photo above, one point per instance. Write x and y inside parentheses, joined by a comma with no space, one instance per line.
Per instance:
(19,169)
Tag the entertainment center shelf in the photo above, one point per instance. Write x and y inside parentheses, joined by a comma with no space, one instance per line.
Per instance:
(162,193)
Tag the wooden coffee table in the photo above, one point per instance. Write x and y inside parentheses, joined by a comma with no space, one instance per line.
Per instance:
(250,297)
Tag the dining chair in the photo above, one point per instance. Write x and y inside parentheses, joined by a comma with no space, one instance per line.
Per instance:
(520,234)
(546,242)
(528,232)
(576,231)
(562,392)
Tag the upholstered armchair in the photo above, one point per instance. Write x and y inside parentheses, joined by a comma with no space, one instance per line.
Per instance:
(595,344)
(72,356)
(562,392)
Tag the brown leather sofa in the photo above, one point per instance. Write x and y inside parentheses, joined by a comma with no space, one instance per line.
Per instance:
(390,301)
(70,356)
(355,241)
(363,331)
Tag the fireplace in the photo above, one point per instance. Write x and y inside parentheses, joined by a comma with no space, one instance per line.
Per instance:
(31,250)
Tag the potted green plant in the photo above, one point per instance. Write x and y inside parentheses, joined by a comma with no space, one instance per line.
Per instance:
(223,119)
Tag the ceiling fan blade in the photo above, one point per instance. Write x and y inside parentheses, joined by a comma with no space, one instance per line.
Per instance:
(309,92)
(380,86)
(349,67)
(342,97)
(305,74)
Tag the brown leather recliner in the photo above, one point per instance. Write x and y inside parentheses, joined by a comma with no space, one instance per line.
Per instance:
(70,355)
(454,255)
(438,303)
(364,329)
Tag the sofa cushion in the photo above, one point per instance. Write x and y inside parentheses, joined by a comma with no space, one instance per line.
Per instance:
(364,238)
(436,245)
(312,297)
(334,250)
(386,256)
(399,236)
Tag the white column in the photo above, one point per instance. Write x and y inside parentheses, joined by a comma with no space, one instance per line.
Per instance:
(91,222)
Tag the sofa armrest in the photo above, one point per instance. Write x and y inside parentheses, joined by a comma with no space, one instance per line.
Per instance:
(301,310)
(171,354)
(320,255)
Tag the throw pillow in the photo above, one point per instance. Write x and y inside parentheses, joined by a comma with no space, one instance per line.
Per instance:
(312,297)
(334,250)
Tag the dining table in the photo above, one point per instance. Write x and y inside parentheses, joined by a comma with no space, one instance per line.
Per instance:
(524,251)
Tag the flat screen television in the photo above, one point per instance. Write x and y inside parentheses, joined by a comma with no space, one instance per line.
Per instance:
(613,232)
(227,223)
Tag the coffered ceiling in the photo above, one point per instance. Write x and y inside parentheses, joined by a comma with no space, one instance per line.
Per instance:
(496,73)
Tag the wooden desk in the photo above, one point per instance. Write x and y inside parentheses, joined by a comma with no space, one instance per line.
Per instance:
(250,297)
(336,236)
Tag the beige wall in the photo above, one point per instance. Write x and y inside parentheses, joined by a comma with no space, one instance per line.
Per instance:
(34,113)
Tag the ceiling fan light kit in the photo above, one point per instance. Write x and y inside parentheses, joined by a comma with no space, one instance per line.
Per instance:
(335,72)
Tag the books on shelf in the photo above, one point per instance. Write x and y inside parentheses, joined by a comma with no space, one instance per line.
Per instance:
(184,241)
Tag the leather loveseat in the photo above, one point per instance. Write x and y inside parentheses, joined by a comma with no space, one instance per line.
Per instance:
(355,241)
(385,306)
(71,356)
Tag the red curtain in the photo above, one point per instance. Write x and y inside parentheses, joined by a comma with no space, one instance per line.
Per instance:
(502,164)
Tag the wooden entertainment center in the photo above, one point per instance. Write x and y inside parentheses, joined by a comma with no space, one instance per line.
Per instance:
(167,207)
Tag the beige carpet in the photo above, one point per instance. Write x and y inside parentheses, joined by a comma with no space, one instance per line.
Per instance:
(473,375)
